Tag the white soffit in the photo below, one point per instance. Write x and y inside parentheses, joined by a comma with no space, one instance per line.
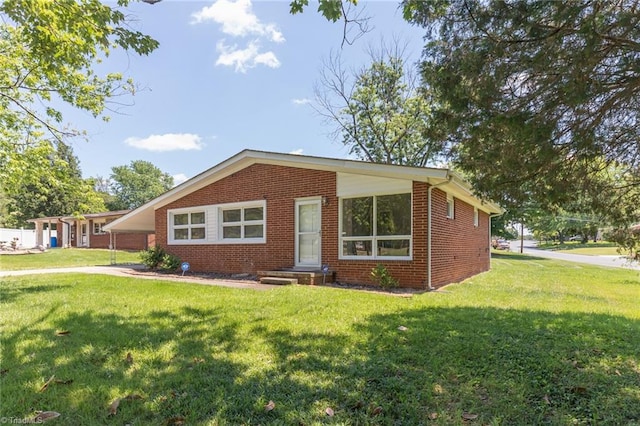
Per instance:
(350,185)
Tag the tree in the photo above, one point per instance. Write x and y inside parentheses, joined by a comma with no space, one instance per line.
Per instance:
(48,50)
(61,191)
(135,184)
(377,111)
(541,96)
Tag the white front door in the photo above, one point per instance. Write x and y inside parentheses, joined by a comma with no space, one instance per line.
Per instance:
(84,235)
(308,238)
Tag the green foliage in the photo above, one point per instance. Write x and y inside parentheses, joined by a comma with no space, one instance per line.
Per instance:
(170,262)
(537,96)
(60,191)
(381,116)
(153,257)
(135,184)
(628,241)
(330,9)
(382,276)
(157,258)
(502,226)
(563,224)
(49,49)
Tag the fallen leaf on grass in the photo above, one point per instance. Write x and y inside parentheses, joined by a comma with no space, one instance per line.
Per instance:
(113,408)
(329,412)
(47,383)
(63,333)
(358,405)
(433,416)
(43,416)
(376,411)
(129,358)
(176,421)
(580,390)
(469,416)
(402,328)
(547,400)
(133,396)
(270,406)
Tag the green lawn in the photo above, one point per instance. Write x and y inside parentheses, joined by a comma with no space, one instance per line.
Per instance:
(601,248)
(64,258)
(534,341)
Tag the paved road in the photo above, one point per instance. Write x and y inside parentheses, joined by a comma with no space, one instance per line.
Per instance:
(134,271)
(530,248)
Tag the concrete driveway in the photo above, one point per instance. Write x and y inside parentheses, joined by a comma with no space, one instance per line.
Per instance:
(530,248)
(138,272)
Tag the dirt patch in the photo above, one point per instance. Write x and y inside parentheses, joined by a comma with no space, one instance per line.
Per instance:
(248,278)
(197,275)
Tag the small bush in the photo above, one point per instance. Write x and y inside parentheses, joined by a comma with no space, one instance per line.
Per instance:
(170,262)
(153,257)
(382,276)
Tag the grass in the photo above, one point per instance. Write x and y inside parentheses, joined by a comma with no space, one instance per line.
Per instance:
(601,248)
(534,341)
(64,258)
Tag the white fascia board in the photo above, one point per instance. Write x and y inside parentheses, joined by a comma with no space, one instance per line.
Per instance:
(422,174)
(144,216)
(246,158)
(461,190)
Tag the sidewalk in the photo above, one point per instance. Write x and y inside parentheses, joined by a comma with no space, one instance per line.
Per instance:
(530,248)
(138,271)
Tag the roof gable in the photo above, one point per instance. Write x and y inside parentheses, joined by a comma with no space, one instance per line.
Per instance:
(143,218)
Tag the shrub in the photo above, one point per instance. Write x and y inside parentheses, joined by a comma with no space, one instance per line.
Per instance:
(382,276)
(170,262)
(153,257)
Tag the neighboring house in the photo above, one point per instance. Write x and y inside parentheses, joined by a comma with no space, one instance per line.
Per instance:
(87,231)
(270,211)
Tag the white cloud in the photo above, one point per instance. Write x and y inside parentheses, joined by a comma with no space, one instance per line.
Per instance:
(237,19)
(179,178)
(301,101)
(244,59)
(298,151)
(167,142)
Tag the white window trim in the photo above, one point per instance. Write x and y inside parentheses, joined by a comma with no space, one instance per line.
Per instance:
(451,207)
(171,226)
(374,238)
(101,223)
(243,205)
(476,217)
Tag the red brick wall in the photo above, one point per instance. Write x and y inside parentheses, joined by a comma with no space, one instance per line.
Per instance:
(132,241)
(280,186)
(460,250)
(409,273)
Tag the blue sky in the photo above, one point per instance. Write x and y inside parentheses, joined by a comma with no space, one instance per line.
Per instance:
(228,75)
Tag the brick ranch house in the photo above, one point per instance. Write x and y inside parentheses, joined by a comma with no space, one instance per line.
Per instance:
(270,211)
(87,231)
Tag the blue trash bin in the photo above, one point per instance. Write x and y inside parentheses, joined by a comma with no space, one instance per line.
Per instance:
(54,242)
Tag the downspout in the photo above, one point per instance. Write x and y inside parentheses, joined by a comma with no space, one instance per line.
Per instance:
(431,187)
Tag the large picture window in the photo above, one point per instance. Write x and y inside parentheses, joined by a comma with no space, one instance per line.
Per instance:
(242,223)
(188,226)
(376,226)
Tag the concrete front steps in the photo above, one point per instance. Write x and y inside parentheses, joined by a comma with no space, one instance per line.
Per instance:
(295,276)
